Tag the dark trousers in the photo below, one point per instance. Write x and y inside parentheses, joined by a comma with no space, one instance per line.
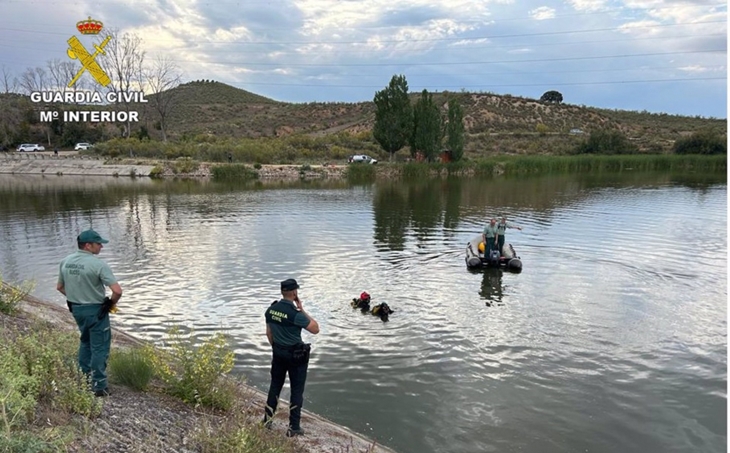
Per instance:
(501,244)
(95,342)
(281,364)
(489,247)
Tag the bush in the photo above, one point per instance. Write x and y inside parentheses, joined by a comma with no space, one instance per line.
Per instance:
(156,171)
(185,165)
(18,390)
(705,142)
(132,368)
(233,172)
(12,296)
(195,373)
(606,142)
(51,357)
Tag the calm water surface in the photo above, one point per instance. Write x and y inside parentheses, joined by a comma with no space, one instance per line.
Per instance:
(612,339)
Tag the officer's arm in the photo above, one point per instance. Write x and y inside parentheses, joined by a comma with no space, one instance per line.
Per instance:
(61,289)
(313,326)
(116,292)
(269,335)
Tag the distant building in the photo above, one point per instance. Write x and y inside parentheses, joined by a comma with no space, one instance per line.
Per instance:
(576,132)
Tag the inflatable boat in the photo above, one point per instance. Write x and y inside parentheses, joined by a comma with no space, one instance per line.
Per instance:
(476,259)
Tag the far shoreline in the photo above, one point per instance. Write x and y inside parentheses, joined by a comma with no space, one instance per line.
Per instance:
(75,164)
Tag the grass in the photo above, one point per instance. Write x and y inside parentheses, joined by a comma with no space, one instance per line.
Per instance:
(233,172)
(360,172)
(520,165)
(131,368)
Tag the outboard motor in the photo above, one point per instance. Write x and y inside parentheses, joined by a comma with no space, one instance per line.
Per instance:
(494,258)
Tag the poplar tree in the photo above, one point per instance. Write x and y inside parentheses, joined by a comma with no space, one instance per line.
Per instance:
(393,115)
(427,127)
(455,129)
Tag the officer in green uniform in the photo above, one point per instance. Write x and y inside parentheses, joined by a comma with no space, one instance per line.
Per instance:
(82,278)
(489,236)
(285,320)
(502,229)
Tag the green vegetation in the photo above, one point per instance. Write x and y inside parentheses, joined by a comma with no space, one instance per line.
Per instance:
(194,373)
(548,164)
(704,142)
(393,117)
(552,96)
(606,142)
(455,130)
(360,172)
(38,375)
(233,172)
(212,92)
(132,368)
(185,165)
(296,148)
(427,130)
(12,295)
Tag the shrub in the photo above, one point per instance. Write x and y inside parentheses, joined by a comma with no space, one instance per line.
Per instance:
(132,368)
(360,172)
(195,373)
(185,165)
(18,391)
(705,142)
(606,142)
(233,172)
(51,357)
(12,296)
(156,171)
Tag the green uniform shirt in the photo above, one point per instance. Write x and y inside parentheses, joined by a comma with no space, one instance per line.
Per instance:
(491,231)
(502,227)
(286,322)
(84,278)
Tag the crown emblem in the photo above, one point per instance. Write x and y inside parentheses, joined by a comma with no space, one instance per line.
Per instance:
(89,27)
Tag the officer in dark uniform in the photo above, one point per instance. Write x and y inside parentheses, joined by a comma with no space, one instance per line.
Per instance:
(285,320)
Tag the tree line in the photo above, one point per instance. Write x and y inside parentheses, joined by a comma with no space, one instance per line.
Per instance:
(398,123)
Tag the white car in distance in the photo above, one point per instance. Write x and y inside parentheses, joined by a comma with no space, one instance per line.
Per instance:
(362,158)
(29,147)
(83,146)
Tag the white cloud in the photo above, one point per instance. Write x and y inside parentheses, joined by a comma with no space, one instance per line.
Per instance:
(470,42)
(542,13)
(587,5)
(701,69)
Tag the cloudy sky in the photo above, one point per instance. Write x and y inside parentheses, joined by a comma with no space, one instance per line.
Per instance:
(655,55)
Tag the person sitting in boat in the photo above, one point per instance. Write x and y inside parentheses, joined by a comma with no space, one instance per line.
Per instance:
(490,237)
(501,229)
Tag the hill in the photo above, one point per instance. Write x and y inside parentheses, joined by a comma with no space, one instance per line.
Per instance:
(494,123)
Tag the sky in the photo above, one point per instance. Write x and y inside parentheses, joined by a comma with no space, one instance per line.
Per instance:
(662,56)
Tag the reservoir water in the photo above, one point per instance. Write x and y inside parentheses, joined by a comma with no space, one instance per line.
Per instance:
(612,339)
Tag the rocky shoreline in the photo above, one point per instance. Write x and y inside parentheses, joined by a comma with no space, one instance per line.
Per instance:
(77,165)
(154,422)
